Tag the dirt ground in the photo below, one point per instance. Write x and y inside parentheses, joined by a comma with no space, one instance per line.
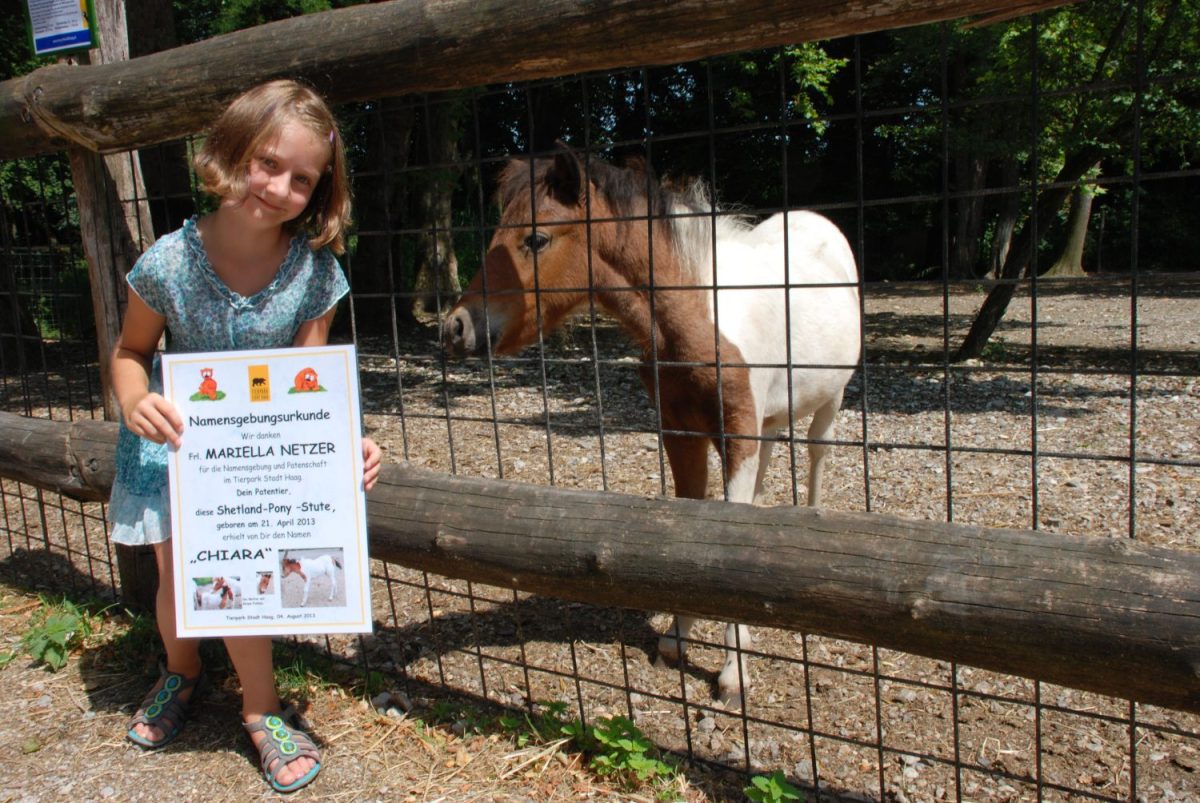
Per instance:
(859,723)
(62,737)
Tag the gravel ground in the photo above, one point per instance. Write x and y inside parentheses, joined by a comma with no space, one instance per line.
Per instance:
(886,725)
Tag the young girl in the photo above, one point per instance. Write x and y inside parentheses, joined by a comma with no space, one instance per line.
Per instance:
(257,273)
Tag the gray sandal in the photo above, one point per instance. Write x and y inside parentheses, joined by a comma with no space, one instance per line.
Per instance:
(281,746)
(163,709)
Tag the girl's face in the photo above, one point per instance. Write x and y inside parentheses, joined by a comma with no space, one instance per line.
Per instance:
(282,175)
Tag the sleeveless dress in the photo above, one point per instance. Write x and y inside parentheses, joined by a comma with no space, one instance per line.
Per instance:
(175,280)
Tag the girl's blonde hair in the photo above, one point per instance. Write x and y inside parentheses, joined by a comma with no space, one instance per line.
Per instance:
(256,117)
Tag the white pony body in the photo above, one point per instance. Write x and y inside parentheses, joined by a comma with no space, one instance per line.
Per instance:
(803,352)
(207,600)
(310,568)
(820,322)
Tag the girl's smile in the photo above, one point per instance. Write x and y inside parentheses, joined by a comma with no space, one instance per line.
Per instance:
(283,173)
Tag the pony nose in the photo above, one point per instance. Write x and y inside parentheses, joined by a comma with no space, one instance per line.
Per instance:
(458,333)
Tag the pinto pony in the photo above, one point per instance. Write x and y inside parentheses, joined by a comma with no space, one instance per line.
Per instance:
(207,600)
(786,298)
(310,568)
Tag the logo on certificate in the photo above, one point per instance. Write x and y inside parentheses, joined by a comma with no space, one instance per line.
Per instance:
(306,382)
(208,387)
(260,383)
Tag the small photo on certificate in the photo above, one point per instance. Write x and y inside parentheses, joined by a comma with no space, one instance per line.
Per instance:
(312,578)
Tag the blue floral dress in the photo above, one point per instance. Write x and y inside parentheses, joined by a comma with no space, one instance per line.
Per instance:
(175,280)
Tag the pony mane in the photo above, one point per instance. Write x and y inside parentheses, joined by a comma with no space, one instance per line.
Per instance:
(684,209)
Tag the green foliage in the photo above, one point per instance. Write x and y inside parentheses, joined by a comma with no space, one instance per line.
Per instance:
(538,728)
(619,750)
(59,299)
(57,628)
(463,716)
(373,683)
(16,53)
(771,789)
(616,748)
(201,19)
(303,674)
(812,71)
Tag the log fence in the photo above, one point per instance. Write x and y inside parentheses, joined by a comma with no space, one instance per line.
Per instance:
(1109,616)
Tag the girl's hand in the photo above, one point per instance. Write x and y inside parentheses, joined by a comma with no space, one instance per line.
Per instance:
(156,419)
(372,455)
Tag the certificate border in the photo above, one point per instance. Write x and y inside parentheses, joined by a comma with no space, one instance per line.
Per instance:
(363,624)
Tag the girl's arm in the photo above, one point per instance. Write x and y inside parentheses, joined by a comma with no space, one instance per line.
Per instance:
(316,333)
(146,414)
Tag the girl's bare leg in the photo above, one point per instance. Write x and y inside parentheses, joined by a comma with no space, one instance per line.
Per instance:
(251,657)
(183,655)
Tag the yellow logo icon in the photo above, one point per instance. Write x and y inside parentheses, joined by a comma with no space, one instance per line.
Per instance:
(260,383)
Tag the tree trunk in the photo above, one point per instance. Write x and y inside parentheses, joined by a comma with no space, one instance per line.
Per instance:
(1006,222)
(436,263)
(1020,256)
(378,260)
(1070,262)
(20,340)
(971,172)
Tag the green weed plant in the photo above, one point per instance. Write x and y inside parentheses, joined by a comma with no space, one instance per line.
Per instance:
(771,789)
(56,628)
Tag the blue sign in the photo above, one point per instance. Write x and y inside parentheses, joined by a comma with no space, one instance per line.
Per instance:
(57,26)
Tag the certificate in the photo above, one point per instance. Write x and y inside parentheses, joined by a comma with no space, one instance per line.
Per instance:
(268,513)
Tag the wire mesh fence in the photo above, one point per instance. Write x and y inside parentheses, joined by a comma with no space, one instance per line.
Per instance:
(936,157)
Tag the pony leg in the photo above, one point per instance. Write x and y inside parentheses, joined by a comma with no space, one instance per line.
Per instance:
(689,466)
(332,583)
(307,582)
(735,674)
(821,428)
(673,645)
(764,458)
(688,458)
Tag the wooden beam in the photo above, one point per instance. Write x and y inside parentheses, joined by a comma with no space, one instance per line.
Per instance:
(76,459)
(1104,615)
(406,46)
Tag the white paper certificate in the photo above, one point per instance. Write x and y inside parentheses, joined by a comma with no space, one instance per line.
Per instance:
(268,515)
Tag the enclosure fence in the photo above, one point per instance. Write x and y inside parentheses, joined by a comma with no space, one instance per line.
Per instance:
(1077,418)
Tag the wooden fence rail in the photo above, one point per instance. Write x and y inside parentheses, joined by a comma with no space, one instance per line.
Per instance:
(406,46)
(1106,615)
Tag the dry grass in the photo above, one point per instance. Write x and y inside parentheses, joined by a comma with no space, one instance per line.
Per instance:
(62,736)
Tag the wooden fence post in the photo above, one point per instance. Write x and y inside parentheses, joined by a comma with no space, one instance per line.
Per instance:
(114,221)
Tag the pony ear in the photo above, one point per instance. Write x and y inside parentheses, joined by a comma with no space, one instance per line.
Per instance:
(565,177)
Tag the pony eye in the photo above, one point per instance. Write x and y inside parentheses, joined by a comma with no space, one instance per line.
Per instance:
(537,241)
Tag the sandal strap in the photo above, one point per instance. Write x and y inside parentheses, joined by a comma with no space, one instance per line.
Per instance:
(282,744)
(166,703)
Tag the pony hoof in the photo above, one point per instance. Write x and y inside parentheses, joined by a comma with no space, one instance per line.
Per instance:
(730,691)
(668,651)
(730,699)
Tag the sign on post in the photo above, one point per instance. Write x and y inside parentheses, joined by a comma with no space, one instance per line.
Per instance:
(60,26)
